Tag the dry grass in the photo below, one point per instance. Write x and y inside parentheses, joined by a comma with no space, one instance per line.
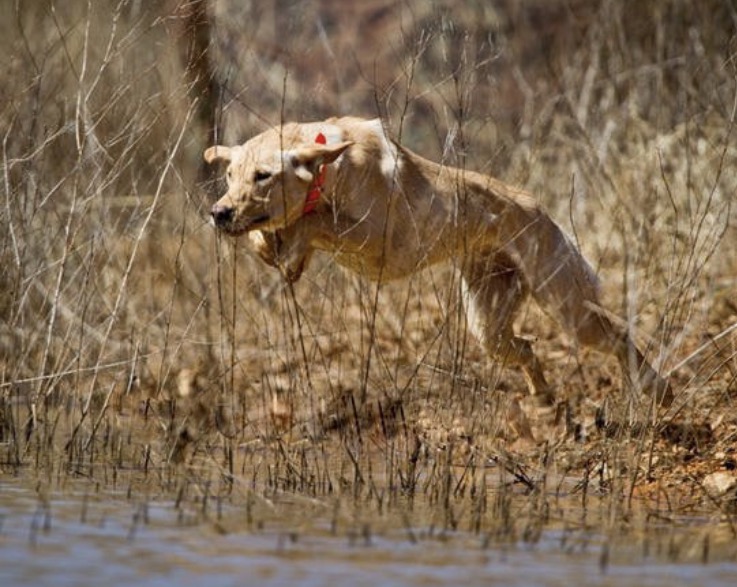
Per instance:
(140,351)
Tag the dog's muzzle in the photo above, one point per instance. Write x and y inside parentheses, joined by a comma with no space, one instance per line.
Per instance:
(221,215)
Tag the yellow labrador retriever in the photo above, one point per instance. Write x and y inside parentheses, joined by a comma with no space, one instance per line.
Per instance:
(342,186)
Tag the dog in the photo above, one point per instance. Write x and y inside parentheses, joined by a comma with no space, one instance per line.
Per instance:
(343,186)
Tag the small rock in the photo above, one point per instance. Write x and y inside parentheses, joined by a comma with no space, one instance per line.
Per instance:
(720,483)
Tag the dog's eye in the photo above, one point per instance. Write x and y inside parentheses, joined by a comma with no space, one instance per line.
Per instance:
(260,176)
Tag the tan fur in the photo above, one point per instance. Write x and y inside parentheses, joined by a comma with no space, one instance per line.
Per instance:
(386,212)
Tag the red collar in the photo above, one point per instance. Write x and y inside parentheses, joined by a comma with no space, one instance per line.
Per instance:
(313,194)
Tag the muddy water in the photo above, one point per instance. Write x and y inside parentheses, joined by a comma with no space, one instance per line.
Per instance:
(78,540)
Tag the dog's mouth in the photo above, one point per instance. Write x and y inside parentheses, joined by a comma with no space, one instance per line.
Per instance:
(237,229)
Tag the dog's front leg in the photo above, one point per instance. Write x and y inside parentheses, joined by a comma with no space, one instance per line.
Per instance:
(289,249)
(265,245)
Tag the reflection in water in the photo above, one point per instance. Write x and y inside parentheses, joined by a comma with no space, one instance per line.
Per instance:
(87,541)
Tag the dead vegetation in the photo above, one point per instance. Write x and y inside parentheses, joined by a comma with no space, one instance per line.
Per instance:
(138,351)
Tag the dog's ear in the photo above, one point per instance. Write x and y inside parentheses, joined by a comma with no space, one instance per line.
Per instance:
(308,158)
(217,153)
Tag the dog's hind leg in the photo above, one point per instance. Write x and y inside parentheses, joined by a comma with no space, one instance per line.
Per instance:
(571,297)
(564,284)
(493,291)
(596,329)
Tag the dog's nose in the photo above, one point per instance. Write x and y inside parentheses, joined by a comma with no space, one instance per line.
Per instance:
(221,214)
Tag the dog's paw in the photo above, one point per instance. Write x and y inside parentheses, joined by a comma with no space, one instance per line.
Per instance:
(289,255)
(266,246)
(292,273)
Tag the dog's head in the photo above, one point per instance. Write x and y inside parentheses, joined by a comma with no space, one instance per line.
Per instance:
(268,180)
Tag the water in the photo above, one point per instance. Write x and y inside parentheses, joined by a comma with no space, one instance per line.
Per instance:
(77,541)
